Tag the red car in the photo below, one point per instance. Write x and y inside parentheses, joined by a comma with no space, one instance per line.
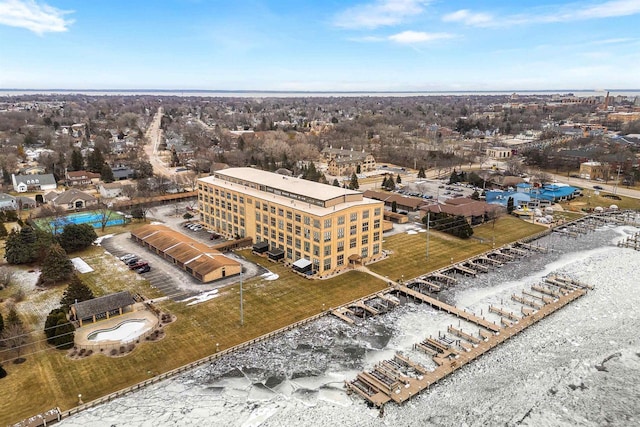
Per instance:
(138,265)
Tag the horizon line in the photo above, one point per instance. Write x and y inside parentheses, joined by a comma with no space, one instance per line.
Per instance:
(315,91)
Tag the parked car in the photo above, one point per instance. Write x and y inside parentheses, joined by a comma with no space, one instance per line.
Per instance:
(197,228)
(188,224)
(132,261)
(137,265)
(125,258)
(143,269)
(214,236)
(598,187)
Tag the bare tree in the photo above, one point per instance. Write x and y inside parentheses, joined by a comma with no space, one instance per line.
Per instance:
(6,277)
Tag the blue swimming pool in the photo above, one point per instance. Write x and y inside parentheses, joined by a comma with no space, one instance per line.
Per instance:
(93,218)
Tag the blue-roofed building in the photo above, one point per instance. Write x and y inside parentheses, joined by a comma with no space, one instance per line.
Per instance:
(555,193)
(500,197)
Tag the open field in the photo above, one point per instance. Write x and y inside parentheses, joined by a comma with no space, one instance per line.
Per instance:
(409,251)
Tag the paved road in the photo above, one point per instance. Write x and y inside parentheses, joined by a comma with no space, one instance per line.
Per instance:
(588,184)
(154,137)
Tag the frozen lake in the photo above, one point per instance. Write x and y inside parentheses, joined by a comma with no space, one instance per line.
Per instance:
(579,366)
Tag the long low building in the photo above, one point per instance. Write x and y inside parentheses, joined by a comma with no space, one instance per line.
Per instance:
(197,259)
(330,227)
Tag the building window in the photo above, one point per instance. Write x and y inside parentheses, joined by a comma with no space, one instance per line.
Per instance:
(281,224)
(354,216)
(316,236)
(289,240)
(258,228)
(241,199)
(353,230)
(365,214)
(340,232)
(307,233)
(316,250)
(340,246)
(257,204)
(307,246)
(297,243)
(365,252)
(327,223)
(289,253)
(316,264)
(365,226)
(265,219)
(352,243)
(327,264)
(376,249)
(327,250)
(298,230)
(289,215)
(297,217)
(365,239)
(327,236)
(273,210)
(340,260)
(281,237)
(341,220)
(376,224)
(316,223)
(289,227)
(307,220)
(376,236)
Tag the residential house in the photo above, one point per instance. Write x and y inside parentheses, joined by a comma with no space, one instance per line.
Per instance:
(24,183)
(81,178)
(110,190)
(71,199)
(594,170)
(122,172)
(474,211)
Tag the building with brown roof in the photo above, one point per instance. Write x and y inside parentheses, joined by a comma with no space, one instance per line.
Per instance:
(199,260)
(405,203)
(71,199)
(103,307)
(474,211)
(81,178)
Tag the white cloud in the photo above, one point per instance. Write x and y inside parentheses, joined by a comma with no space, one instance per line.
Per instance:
(412,37)
(469,18)
(564,13)
(37,17)
(380,13)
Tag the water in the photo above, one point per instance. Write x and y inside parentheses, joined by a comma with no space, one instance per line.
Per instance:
(534,379)
(303,94)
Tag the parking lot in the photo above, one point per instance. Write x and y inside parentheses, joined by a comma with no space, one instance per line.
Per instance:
(168,278)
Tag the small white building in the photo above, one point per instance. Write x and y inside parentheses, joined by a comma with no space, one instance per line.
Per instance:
(24,183)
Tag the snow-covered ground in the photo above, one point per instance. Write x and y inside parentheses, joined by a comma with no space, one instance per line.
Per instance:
(579,366)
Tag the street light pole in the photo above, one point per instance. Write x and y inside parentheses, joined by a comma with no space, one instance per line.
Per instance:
(428,233)
(241,308)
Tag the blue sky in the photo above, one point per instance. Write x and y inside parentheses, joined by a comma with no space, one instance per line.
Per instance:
(320,44)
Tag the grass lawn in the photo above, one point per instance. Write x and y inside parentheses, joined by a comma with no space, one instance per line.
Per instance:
(409,251)
(590,200)
(49,379)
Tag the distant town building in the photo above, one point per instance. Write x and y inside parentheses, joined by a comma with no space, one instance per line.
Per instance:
(343,162)
(499,153)
(594,170)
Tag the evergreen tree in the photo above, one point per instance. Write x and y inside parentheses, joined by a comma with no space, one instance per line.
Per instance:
(64,335)
(13,318)
(95,160)
(76,291)
(3,230)
(353,185)
(56,267)
(17,250)
(453,178)
(398,180)
(394,206)
(475,195)
(77,162)
(1,323)
(75,237)
(421,173)
(510,205)
(336,183)
(106,174)
(358,169)
(51,323)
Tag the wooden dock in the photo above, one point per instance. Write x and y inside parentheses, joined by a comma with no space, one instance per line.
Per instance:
(463,314)
(380,388)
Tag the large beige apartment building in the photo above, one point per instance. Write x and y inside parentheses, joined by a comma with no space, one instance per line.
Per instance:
(328,226)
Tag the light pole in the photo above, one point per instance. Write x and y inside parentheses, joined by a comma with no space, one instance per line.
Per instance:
(241,307)
(428,233)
